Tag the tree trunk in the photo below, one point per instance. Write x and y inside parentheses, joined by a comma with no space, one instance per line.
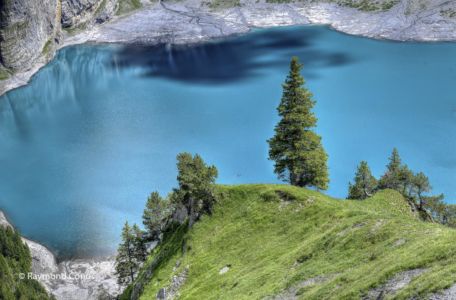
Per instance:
(132,275)
(366,194)
(191,213)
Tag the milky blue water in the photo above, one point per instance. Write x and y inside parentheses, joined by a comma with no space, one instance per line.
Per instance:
(98,129)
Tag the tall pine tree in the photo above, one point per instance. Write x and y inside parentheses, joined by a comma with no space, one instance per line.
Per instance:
(156,215)
(130,254)
(139,245)
(296,149)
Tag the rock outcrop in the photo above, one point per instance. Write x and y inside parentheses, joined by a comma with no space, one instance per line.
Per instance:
(393,285)
(72,279)
(29,31)
(77,13)
(172,291)
(81,279)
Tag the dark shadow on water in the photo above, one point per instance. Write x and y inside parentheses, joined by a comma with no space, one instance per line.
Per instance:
(232,59)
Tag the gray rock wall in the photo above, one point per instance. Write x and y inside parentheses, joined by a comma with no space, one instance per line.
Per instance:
(76,13)
(28,31)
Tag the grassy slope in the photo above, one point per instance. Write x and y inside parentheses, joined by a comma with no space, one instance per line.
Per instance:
(272,245)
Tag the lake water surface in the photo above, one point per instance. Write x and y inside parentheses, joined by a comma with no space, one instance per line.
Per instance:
(99,128)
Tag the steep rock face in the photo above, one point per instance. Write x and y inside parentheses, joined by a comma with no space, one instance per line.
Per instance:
(79,12)
(31,30)
(28,31)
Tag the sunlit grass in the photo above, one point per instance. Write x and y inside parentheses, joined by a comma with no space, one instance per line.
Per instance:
(271,244)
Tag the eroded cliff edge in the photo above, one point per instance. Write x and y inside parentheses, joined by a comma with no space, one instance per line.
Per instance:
(28,29)
(31,32)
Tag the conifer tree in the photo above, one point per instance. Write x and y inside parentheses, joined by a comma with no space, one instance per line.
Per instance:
(295,148)
(405,179)
(415,188)
(196,185)
(139,245)
(421,185)
(364,184)
(127,262)
(392,178)
(156,215)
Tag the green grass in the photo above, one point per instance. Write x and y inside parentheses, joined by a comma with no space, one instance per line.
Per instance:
(272,245)
(221,4)
(4,74)
(126,6)
(362,5)
(47,47)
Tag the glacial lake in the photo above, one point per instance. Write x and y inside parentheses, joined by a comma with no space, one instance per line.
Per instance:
(98,129)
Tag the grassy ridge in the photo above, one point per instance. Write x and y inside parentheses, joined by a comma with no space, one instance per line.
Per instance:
(274,237)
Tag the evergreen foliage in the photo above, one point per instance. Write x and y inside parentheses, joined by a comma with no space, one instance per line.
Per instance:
(196,193)
(364,184)
(394,173)
(415,188)
(196,185)
(295,148)
(15,259)
(130,254)
(139,244)
(421,185)
(156,215)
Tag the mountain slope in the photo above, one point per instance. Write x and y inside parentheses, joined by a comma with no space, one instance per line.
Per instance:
(268,241)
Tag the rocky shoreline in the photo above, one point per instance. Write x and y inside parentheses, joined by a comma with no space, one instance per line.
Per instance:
(189,21)
(72,279)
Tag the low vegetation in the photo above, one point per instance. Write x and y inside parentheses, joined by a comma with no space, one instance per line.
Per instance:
(47,47)
(414,187)
(4,74)
(272,238)
(369,5)
(15,262)
(362,5)
(126,6)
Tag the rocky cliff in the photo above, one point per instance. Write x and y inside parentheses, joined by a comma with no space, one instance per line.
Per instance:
(77,13)
(28,31)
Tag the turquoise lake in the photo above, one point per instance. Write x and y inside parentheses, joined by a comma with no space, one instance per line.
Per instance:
(98,129)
